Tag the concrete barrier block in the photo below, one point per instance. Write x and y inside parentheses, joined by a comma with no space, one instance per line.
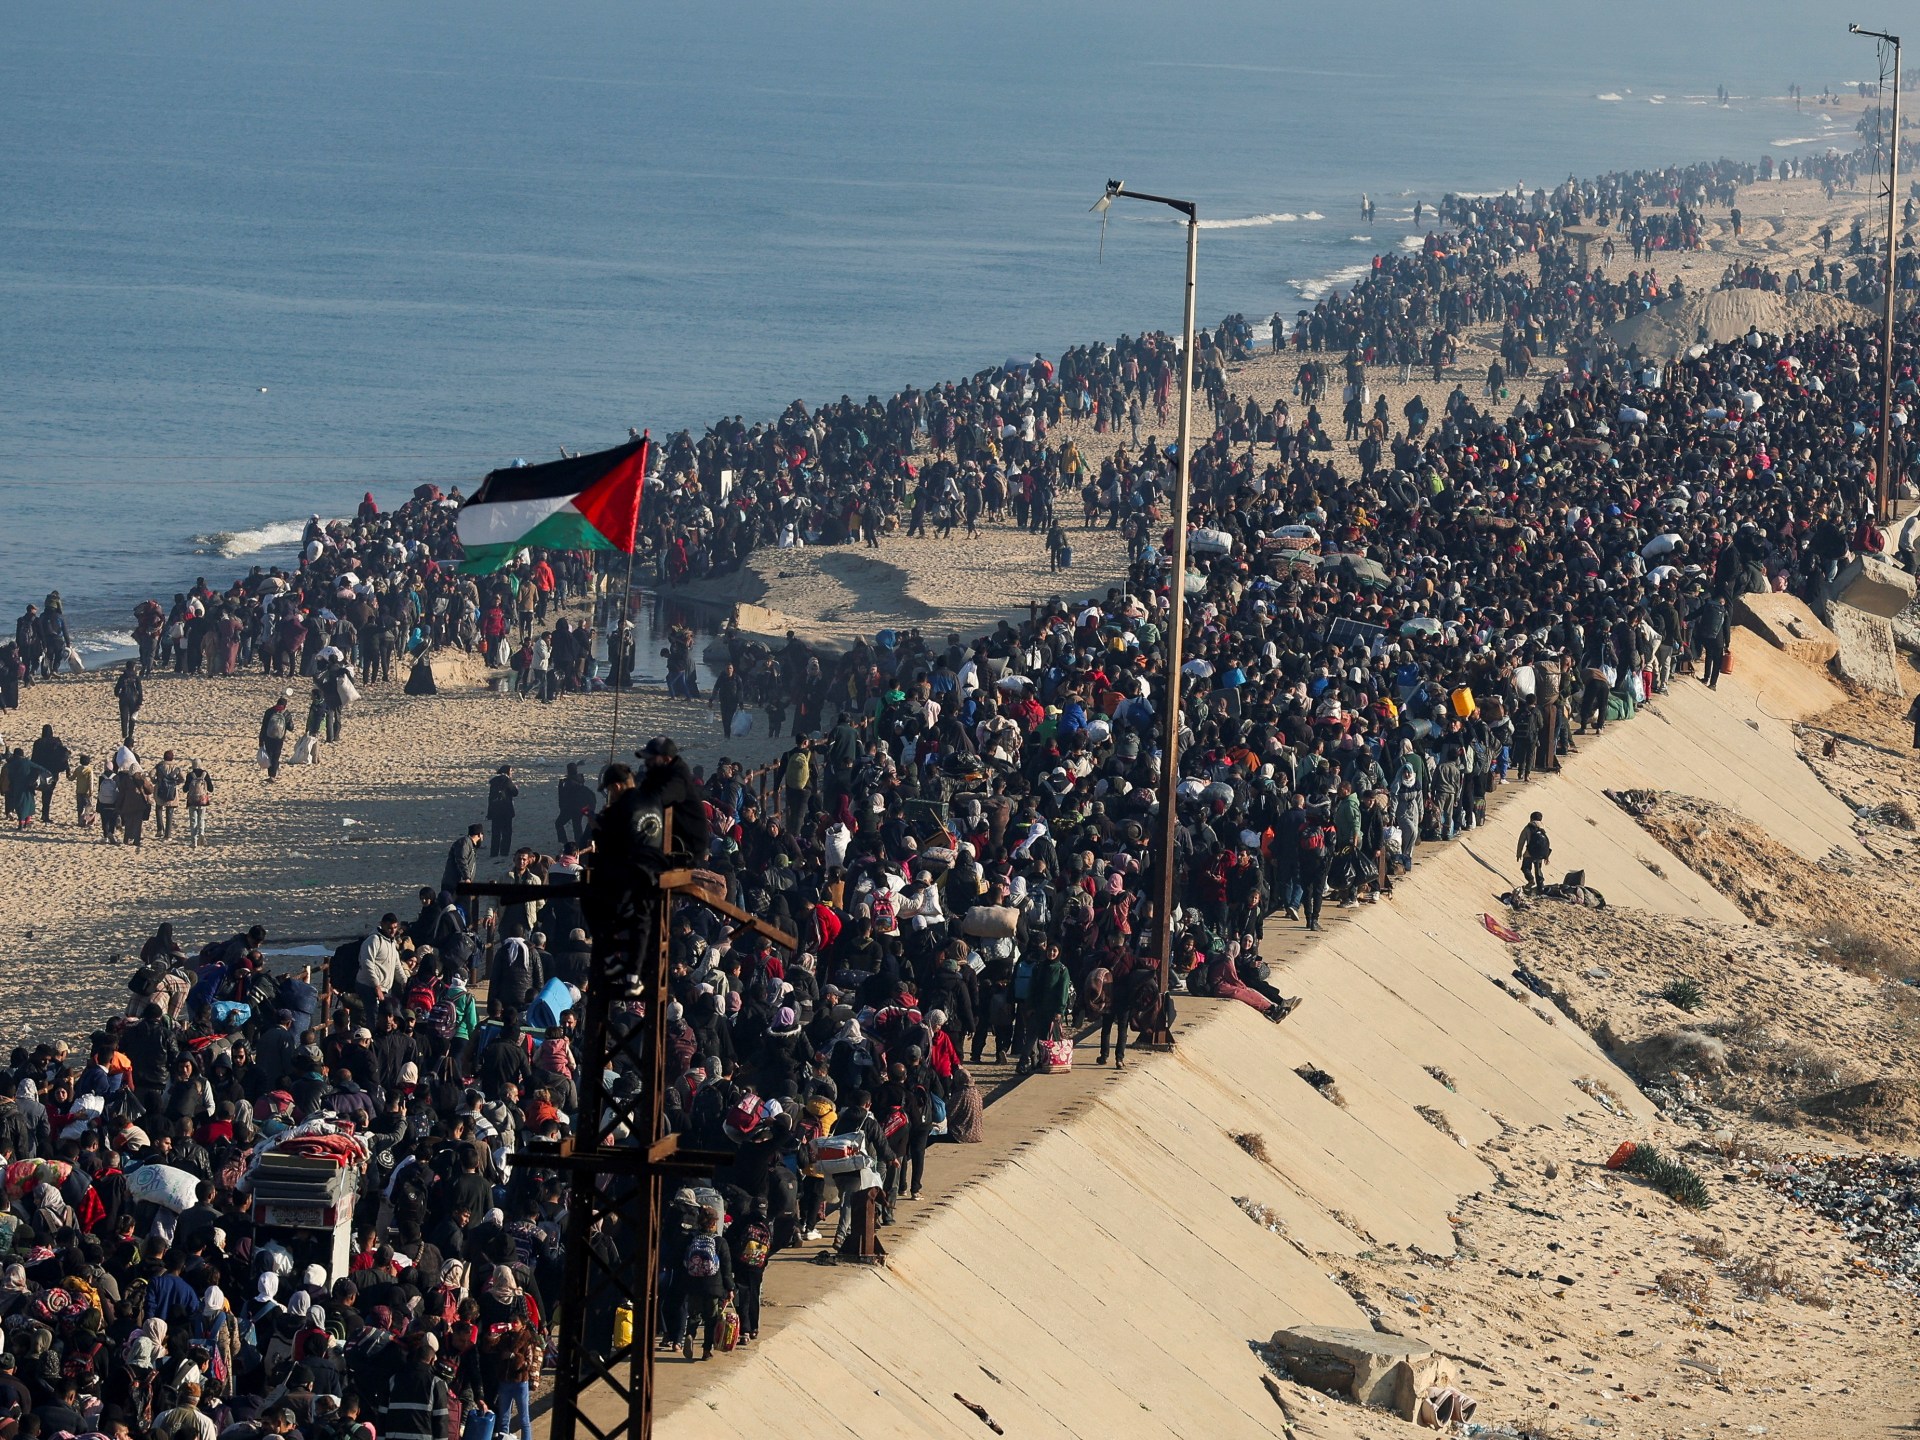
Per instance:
(1374,1369)
(1786,623)
(1874,586)
(1867,654)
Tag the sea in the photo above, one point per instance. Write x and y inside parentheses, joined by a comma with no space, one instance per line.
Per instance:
(259,257)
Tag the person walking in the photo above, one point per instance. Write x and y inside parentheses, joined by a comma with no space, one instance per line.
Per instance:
(22,777)
(274,726)
(727,695)
(54,760)
(1050,1003)
(1316,836)
(463,860)
(136,804)
(167,776)
(705,1282)
(197,788)
(127,690)
(501,793)
(1533,850)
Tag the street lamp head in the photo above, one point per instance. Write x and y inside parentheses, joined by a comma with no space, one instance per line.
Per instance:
(1099,207)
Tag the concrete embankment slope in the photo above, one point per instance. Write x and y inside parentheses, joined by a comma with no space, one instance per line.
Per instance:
(1103,1281)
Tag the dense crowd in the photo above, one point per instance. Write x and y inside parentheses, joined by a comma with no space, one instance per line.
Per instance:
(958,834)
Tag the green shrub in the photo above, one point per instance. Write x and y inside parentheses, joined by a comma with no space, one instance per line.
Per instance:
(1684,993)
(1679,1183)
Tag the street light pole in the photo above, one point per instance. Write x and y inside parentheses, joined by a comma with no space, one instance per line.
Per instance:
(1883,475)
(1177,614)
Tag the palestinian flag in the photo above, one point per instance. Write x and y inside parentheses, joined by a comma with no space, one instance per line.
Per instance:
(590,502)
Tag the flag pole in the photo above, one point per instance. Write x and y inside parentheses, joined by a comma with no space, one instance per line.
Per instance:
(626,601)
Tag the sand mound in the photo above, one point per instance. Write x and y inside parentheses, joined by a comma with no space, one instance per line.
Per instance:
(1728,314)
(1886,1108)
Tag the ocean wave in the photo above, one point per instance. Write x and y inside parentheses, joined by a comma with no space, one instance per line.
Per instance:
(229,543)
(1796,140)
(1313,215)
(103,642)
(1316,289)
(1243,222)
(1412,242)
(1606,95)
(1361,239)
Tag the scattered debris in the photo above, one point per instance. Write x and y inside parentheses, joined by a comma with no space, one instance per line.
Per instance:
(1254,1143)
(1321,1081)
(1440,1075)
(1690,1288)
(981,1412)
(1874,1199)
(1439,1121)
(1261,1215)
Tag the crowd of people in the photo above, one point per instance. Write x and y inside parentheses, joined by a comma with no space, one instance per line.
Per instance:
(959,833)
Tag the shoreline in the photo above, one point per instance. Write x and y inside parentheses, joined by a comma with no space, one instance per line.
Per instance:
(411,773)
(1286,290)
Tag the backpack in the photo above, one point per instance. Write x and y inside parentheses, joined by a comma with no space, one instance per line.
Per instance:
(1099,990)
(703,1258)
(146,979)
(1023,980)
(79,1361)
(421,997)
(1039,911)
(744,1118)
(275,725)
(443,1019)
(756,1247)
(1313,842)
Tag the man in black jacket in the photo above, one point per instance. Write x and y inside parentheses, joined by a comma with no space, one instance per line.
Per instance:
(463,860)
(414,1406)
(501,792)
(55,759)
(669,784)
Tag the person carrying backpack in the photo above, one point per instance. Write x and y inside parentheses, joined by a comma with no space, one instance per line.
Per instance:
(750,1243)
(197,787)
(703,1283)
(1533,850)
(1316,835)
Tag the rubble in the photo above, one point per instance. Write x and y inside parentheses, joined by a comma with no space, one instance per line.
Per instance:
(1873,1199)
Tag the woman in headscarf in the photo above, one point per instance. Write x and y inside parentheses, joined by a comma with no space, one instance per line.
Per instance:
(141,1358)
(214,1327)
(503,1301)
(15,1293)
(264,1314)
(443,1301)
(965,1110)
